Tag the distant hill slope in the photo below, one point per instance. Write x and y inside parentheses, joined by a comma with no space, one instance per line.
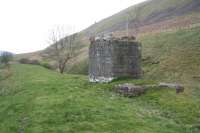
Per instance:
(148,13)
(150,17)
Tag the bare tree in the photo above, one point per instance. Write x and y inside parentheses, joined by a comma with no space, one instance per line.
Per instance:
(63,47)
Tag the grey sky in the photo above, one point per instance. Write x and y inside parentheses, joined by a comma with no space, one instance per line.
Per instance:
(25,24)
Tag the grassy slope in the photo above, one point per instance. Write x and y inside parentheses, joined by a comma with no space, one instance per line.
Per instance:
(145,12)
(156,15)
(177,51)
(34,100)
(153,12)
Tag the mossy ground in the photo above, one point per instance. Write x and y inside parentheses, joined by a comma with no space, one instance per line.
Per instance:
(37,100)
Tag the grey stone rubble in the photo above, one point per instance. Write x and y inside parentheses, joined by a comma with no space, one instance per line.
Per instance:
(179,88)
(129,90)
(100,79)
(111,58)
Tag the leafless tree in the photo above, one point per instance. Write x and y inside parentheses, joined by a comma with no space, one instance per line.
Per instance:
(63,47)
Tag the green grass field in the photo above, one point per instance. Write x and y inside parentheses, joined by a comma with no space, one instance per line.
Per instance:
(36,100)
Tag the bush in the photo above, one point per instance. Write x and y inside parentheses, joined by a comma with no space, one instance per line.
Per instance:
(28,61)
(24,61)
(35,62)
(5,57)
(46,65)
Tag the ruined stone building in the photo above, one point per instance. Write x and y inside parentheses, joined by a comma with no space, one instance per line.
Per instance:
(114,58)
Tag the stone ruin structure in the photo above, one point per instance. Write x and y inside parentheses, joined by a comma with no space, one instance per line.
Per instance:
(111,58)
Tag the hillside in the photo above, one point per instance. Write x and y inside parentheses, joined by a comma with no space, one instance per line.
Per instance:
(152,15)
(163,26)
(170,56)
(144,16)
(42,101)
(38,100)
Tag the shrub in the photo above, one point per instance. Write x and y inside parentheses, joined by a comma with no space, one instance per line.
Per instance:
(34,62)
(28,61)
(46,65)
(24,61)
(5,57)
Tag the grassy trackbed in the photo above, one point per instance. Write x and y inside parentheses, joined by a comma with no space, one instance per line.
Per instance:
(37,100)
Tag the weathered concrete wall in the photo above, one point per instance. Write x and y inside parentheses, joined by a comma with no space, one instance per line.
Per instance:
(110,59)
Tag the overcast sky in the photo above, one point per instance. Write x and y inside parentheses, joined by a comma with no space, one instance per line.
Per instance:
(25,24)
